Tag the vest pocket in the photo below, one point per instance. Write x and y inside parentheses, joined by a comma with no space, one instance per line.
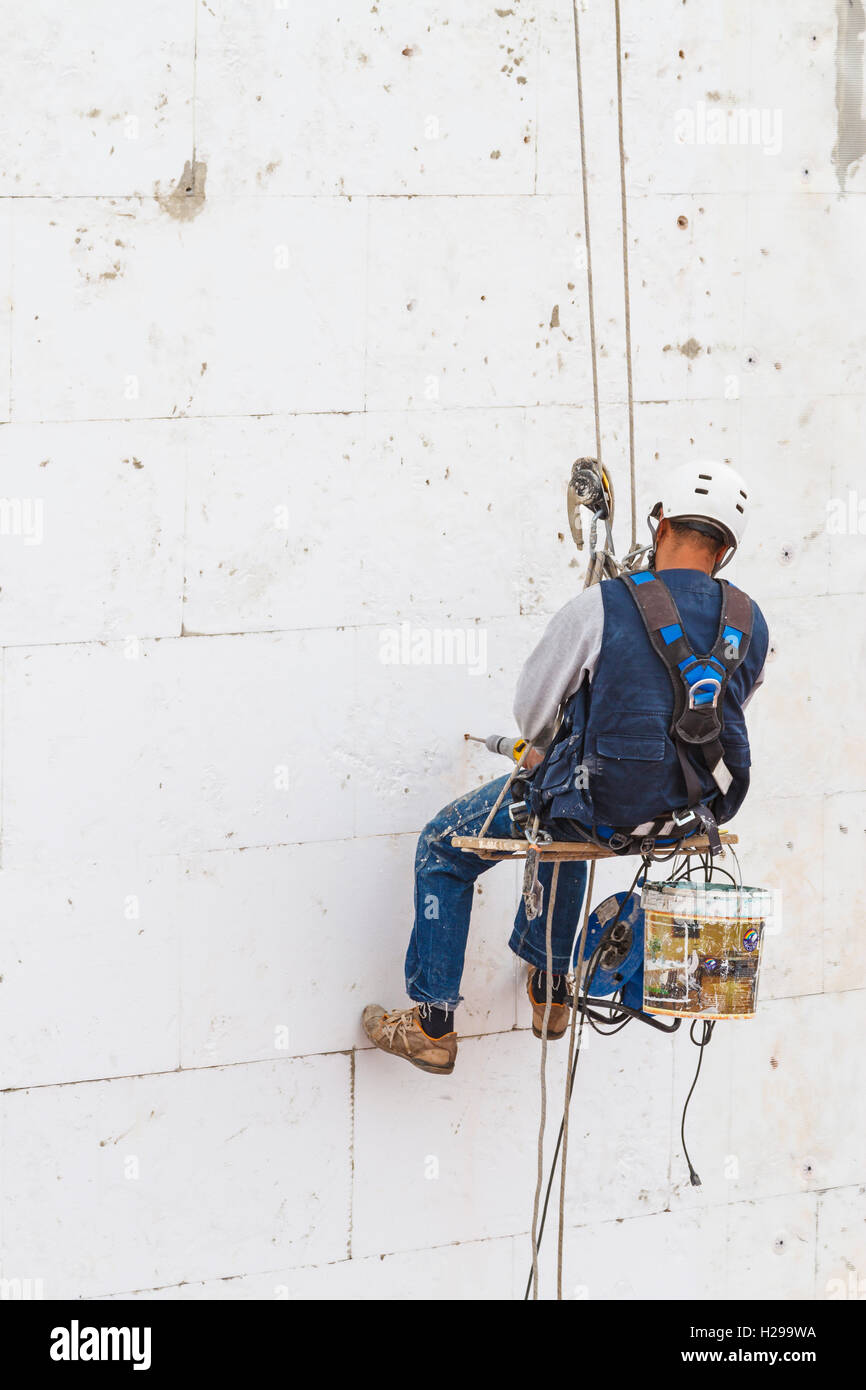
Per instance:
(637,774)
(559,775)
(628,746)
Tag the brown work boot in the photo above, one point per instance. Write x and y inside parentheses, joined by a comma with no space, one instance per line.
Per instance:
(402,1033)
(557,1024)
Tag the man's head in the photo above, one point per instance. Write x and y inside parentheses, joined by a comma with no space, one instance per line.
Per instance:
(681,546)
(701,517)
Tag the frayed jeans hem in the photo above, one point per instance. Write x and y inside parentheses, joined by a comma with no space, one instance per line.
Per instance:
(560,965)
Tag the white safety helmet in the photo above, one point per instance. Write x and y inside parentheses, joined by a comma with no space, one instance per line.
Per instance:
(707,492)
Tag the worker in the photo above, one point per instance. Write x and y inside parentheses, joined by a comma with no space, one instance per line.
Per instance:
(611,701)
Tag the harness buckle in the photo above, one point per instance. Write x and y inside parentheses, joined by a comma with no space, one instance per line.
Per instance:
(540,837)
(619,841)
(705,680)
(682,817)
(710,827)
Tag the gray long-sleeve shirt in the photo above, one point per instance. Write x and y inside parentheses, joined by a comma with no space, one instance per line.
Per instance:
(566,656)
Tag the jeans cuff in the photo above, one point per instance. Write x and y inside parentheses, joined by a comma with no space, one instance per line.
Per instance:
(522,948)
(417,995)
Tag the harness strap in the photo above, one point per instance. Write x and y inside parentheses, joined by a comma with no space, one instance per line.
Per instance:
(699,682)
(644,839)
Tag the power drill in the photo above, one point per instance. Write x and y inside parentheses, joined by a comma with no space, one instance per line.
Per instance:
(498,743)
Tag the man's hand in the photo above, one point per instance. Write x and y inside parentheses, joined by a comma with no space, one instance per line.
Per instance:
(533,758)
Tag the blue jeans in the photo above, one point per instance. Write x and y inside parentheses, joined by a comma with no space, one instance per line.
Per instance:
(444,883)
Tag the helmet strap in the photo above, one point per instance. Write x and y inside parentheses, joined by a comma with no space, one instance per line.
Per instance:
(653,516)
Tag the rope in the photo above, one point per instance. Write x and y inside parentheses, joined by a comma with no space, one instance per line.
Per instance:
(501,797)
(625,284)
(588,973)
(595,573)
(548,1004)
(585,183)
(625,268)
(569,1074)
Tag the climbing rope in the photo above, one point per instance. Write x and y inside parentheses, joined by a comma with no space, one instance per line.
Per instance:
(584,176)
(576,974)
(548,1004)
(599,567)
(501,797)
(574,1055)
(586,232)
(625,282)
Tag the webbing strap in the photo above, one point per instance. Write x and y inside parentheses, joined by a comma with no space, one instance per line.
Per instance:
(699,682)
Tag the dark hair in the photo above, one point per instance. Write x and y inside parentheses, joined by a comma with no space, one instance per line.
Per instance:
(701,533)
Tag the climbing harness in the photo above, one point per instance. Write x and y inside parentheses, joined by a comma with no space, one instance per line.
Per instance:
(699,682)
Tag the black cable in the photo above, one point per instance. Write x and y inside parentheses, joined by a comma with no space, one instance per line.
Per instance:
(587,1013)
(671,854)
(707,1033)
(605,1025)
(617,1022)
(707,1025)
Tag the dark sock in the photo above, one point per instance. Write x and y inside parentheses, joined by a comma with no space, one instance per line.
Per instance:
(539,988)
(436,1022)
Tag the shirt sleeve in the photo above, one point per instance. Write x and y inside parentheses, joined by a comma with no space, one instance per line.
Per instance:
(759,680)
(566,656)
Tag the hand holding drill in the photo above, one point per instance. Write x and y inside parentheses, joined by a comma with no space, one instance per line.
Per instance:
(509,748)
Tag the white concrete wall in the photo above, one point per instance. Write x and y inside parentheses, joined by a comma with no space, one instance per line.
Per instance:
(315,397)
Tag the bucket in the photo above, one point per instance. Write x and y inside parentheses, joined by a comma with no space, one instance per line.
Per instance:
(702,948)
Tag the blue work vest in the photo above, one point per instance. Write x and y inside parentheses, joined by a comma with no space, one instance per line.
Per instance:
(615,736)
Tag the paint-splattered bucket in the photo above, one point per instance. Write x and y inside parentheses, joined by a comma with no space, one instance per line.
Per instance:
(702,948)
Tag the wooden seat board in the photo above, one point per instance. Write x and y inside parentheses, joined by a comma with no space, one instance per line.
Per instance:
(568,849)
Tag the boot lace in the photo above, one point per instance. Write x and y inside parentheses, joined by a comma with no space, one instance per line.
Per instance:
(397,1023)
